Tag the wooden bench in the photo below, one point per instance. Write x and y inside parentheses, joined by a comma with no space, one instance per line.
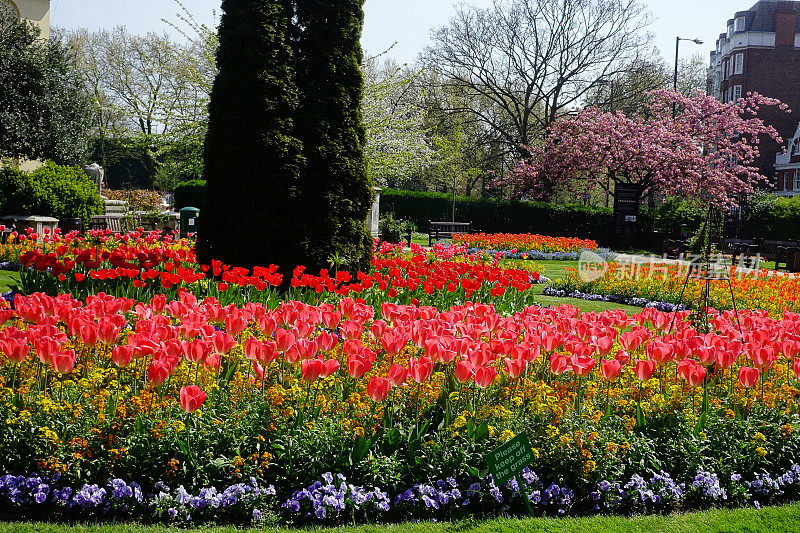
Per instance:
(737,247)
(673,248)
(782,252)
(114,223)
(446,230)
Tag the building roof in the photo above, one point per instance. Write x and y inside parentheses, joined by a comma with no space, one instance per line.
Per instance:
(761,17)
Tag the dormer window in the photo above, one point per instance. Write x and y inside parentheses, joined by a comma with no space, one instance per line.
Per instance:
(739,24)
(730,31)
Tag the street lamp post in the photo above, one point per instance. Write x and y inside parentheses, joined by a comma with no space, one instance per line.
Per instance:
(675,76)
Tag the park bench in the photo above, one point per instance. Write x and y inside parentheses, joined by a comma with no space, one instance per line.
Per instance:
(114,223)
(673,248)
(446,230)
(736,248)
(782,252)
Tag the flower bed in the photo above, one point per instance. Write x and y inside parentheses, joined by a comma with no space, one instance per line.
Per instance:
(625,413)
(142,264)
(770,291)
(524,242)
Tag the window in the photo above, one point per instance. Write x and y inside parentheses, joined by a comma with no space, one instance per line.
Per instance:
(730,31)
(737,92)
(797,179)
(728,95)
(795,147)
(739,24)
(739,68)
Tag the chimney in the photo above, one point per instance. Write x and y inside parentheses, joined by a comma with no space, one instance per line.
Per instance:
(785,20)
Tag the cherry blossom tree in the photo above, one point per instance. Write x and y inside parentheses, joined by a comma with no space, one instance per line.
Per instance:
(709,150)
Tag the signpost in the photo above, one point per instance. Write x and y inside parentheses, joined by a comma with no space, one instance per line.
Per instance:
(509,460)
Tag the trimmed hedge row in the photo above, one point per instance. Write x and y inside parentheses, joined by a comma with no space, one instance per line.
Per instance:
(190,194)
(501,216)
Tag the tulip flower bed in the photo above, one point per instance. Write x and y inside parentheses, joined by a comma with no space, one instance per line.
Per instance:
(524,242)
(773,292)
(190,410)
(140,265)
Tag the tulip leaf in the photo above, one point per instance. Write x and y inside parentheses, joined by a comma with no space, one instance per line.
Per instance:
(701,423)
(482,431)
(639,416)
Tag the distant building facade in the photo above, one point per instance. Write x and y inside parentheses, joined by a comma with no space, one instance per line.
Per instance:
(787,168)
(760,52)
(36,11)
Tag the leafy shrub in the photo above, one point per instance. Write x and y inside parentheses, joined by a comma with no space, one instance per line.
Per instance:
(138,199)
(190,194)
(51,190)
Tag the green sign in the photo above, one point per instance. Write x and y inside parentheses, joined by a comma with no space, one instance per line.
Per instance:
(509,460)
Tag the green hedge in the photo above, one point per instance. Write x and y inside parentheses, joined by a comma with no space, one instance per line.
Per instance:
(51,190)
(501,216)
(771,217)
(190,194)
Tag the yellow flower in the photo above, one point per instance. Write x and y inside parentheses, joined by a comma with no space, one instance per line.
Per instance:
(589,466)
(759,437)
(761,451)
(506,435)
(611,447)
(460,421)
(786,430)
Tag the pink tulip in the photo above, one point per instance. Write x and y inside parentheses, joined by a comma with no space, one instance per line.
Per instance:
(311,369)
(610,369)
(378,388)
(397,374)
(484,375)
(464,371)
(64,361)
(644,370)
(559,364)
(582,366)
(515,367)
(15,350)
(223,342)
(192,397)
(329,367)
(696,375)
(748,376)
(420,369)
(122,355)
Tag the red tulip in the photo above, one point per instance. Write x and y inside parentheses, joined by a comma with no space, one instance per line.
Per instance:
(748,376)
(46,348)
(64,361)
(559,364)
(484,375)
(15,350)
(796,368)
(122,355)
(310,369)
(158,372)
(397,374)
(623,357)
(196,351)
(223,342)
(582,365)
(644,369)
(284,339)
(464,371)
(420,369)
(357,366)
(329,367)
(696,375)
(235,323)
(515,367)
(378,388)
(610,369)
(192,397)
(88,333)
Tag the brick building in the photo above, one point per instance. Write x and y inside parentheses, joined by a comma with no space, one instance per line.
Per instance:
(787,168)
(760,52)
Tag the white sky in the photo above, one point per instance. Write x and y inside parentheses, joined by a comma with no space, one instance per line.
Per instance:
(407,22)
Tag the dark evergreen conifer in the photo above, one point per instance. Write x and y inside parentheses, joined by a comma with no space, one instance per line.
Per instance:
(335,189)
(252,158)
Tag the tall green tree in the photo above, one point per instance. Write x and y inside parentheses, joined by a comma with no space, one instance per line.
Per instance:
(44,113)
(252,159)
(335,188)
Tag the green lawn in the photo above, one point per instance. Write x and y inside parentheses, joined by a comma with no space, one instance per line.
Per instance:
(773,519)
(8,278)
